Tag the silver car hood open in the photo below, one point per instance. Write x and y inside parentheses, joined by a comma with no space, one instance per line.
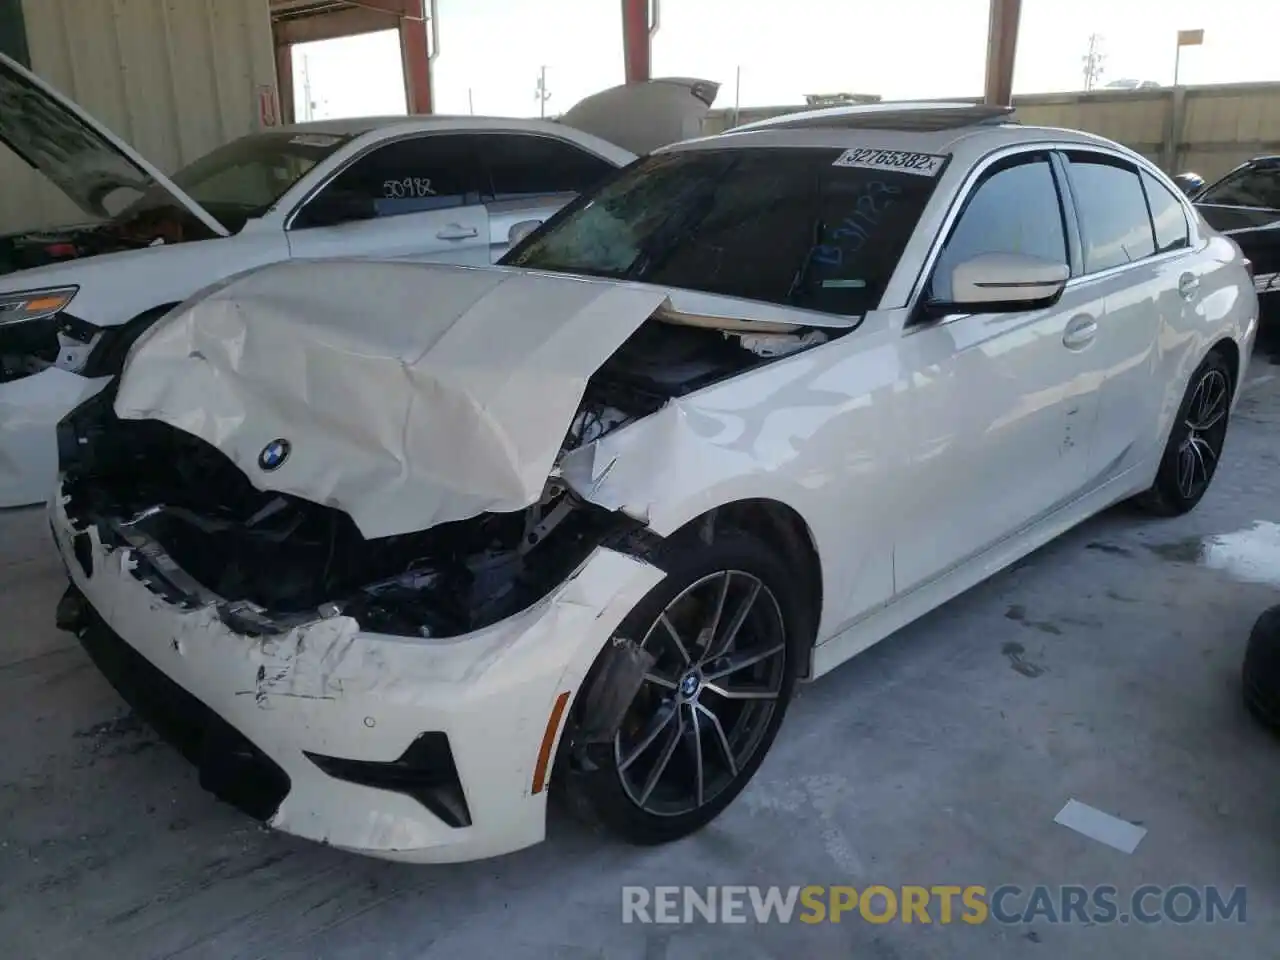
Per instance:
(641,117)
(404,394)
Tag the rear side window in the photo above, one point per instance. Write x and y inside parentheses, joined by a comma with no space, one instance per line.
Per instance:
(779,225)
(1014,210)
(521,165)
(1167,215)
(1115,226)
(1254,187)
(413,176)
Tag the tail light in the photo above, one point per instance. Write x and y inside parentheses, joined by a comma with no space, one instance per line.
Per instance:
(1248,267)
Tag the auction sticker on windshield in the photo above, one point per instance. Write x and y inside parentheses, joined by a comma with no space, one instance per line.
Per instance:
(922,164)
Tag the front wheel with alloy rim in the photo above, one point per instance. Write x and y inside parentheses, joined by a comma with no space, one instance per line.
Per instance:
(1195,444)
(723,634)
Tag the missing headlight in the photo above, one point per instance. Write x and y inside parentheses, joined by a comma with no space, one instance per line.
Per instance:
(27,348)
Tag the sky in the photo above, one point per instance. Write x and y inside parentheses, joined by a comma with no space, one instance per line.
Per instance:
(764,52)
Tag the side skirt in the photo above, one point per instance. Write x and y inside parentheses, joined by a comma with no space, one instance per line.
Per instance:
(878,624)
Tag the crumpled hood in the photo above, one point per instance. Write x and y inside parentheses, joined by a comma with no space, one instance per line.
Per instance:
(405,394)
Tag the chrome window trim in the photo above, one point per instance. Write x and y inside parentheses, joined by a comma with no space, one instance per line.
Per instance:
(979,169)
(958,200)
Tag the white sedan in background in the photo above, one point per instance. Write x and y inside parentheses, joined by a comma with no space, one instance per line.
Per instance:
(585,518)
(449,189)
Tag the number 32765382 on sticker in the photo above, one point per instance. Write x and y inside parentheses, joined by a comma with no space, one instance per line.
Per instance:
(903,161)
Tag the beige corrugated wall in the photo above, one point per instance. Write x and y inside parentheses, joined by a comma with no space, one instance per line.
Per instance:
(174,78)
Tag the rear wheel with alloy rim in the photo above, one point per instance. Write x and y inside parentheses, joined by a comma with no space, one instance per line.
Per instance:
(1195,444)
(723,633)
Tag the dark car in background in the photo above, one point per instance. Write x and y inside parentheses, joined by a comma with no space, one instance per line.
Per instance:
(1245,205)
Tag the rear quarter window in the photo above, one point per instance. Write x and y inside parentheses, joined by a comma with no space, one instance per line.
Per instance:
(1167,215)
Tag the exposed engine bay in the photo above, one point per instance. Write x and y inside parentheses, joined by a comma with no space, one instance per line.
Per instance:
(66,341)
(202,533)
(145,228)
(63,340)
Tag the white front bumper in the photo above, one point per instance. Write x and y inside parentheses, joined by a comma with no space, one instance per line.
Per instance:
(330,689)
(30,409)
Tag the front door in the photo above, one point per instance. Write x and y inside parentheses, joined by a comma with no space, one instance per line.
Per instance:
(1001,405)
(417,197)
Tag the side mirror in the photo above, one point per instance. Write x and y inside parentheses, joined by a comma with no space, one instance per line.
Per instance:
(1003,283)
(1189,183)
(332,208)
(521,230)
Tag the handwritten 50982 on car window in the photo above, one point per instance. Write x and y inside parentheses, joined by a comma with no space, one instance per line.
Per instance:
(409,188)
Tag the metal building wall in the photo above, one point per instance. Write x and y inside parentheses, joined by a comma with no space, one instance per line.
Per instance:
(1208,129)
(175,78)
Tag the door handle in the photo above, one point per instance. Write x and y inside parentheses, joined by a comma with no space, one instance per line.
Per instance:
(1080,332)
(1188,284)
(455,232)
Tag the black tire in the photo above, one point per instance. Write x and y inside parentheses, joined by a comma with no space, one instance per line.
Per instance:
(1260,674)
(1191,456)
(604,780)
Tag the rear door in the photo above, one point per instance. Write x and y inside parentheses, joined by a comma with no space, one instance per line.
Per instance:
(416,197)
(1002,404)
(1145,286)
(529,176)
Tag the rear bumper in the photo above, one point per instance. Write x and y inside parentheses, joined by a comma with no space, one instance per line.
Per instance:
(309,730)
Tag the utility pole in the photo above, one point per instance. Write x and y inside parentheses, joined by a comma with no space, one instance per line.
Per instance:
(471,103)
(308,105)
(1093,61)
(541,93)
(737,96)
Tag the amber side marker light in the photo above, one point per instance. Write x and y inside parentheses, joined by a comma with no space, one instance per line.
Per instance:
(549,738)
(41,304)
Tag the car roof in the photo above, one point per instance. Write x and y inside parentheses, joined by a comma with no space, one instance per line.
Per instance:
(965,130)
(922,116)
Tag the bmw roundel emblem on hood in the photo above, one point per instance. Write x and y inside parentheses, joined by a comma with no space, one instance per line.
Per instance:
(274,454)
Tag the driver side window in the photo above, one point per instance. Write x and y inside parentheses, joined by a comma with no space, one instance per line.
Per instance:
(406,176)
(1016,209)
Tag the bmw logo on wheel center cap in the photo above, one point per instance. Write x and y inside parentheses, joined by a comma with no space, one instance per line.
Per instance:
(274,454)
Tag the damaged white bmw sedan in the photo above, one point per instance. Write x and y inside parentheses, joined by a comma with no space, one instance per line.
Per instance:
(388,549)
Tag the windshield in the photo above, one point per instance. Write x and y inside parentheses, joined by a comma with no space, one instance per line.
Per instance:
(782,225)
(1257,186)
(245,178)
